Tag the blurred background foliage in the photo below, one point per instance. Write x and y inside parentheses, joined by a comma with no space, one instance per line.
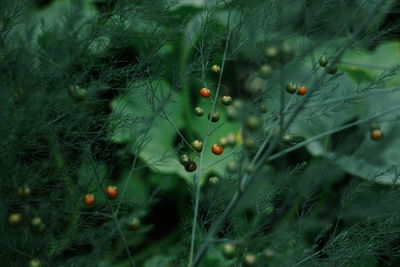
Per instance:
(140,65)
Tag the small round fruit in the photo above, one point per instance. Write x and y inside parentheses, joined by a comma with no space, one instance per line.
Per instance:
(226,100)
(89,199)
(266,71)
(287,52)
(199,111)
(302,90)
(268,253)
(271,52)
(229,251)
(191,167)
(288,138)
(112,192)
(213,180)
(231,113)
(249,260)
(23,191)
(231,139)
(37,224)
(232,167)
(376,134)
(214,117)
(263,108)
(79,94)
(249,144)
(223,141)
(253,123)
(15,219)
(217,149)
(134,224)
(184,159)
(331,69)
(291,87)
(35,263)
(205,92)
(323,61)
(197,145)
(216,69)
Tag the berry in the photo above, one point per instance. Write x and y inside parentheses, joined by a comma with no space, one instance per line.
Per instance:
(271,52)
(266,71)
(253,123)
(231,113)
(249,260)
(223,141)
(214,117)
(291,88)
(191,167)
(35,263)
(197,145)
(134,224)
(323,61)
(229,251)
(231,139)
(249,144)
(37,224)
(205,92)
(263,108)
(184,159)
(77,93)
(232,167)
(112,192)
(288,138)
(302,90)
(268,253)
(376,134)
(23,191)
(226,100)
(216,69)
(199,111)
(217,149)
(213,180)
(89,199)
(331,69)
(287,53)
(15,219)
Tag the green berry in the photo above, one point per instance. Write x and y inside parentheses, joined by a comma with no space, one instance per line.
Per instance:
(266,71)
(268,253)
(331,69)
(214,116)
(223,141)
(198,111)
(15,219)
(271,52)
(23,191)
(229,251)
(232,167)
(37,224)
(213,180)
(323,61)
(249,144)
(197,145)
(134,224)
(253,123)
(231,139)
(249,260)
(35,263)
(184,159)
(226,100)
(291,88)
(215,69)
(79,94)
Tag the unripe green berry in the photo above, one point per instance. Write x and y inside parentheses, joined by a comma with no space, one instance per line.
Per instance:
(249,260)
(214,116)
(213,180)
(231,139)
(23,191)
(271,52)
(331,69)
(197,145)
(184,159)
(198,111)
(253,123)
(15,219)
(35,263)
(231,113)
(266,71)
(223,141)
(268,253)
(229,251)
(79,94)
(134,224)
(216,69)
(323,61)
(232,167)
(226,100)
(37,224)
(291,87)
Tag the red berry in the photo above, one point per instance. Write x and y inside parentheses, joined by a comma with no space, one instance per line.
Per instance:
(89,199)
(205,92)
(112,192)
(217,149)
(302,90)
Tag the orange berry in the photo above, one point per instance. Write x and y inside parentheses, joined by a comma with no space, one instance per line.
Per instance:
(217,149)
(376,134)
(89,199)
(112,192)
(205,92)
(302,90)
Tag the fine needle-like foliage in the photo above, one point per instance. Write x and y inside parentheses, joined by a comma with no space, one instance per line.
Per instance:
(199,133)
